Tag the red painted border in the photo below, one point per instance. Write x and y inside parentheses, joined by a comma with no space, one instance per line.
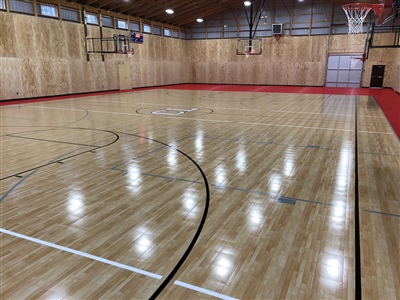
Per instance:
(388,100)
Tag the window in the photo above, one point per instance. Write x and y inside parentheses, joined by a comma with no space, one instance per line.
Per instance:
(69,14)
(21,6)
(107,21)
(167,32)
(2,4)
(134,26)
(122,24)
(47,10)
(146,28)
(156,30)
(91,19)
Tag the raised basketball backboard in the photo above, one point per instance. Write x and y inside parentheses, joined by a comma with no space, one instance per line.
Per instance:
(249,47)
(115,44)
(389,11)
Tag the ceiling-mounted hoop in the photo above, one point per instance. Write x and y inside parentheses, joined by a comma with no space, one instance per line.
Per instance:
(356,13)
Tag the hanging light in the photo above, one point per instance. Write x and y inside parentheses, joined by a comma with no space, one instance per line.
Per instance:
(199,20)
(169,11)
(263,14)
(247,3)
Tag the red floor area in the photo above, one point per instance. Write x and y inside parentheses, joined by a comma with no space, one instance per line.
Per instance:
(388,100)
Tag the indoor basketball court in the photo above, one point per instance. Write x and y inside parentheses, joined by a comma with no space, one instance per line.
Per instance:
(205,190)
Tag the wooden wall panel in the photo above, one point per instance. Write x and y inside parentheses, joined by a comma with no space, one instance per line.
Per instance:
(349,43)
(49,58)
(7,36)
(74,41)
(24,28)
(76,69)
(377,56)
(396,79)
(286,61)
(10,78)
(33,76)
(110,79)
(381,56)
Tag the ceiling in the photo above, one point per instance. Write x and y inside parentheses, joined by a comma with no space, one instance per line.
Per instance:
(185,11)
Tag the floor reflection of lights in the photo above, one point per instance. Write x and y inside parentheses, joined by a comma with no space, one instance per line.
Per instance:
(332,268)
(220,175)
(223,266)
(142,245)
(75,203)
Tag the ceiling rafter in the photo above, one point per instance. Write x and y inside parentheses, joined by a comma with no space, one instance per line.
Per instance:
(186,11)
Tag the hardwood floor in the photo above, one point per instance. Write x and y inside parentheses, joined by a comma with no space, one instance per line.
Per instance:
(237,195)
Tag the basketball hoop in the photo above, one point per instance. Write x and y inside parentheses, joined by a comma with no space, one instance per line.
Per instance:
(247,53)
(356,13)
(129,53)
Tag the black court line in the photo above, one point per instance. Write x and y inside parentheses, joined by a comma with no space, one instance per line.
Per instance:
(280,199)
(51,141)
(18,175)
(117,167)
(381,154)
(244,141)
(381,213)
(357,239)
(78,120)
(22,179)
(185,255)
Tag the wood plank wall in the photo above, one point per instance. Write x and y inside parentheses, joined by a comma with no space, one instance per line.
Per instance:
(382,56)
(287,61)
(396,79)
(44,57)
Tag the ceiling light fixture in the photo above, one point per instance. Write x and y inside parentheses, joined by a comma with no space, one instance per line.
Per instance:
(169,11)
(247,3)
(199,20)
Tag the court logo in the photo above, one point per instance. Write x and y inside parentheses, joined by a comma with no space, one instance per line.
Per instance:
(173,111)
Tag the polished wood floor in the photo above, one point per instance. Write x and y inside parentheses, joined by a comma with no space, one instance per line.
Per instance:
(103,197)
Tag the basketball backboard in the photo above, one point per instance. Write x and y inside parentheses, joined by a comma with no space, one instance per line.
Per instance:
(115,44)
(390,10)
(249,47)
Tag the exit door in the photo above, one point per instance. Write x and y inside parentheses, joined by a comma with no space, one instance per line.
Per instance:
(124,77)
(378,72)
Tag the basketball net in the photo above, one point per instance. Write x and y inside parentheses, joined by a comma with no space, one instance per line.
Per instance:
(129,53)
(356,14)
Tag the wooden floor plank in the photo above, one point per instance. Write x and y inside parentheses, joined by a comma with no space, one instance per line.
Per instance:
(105,176)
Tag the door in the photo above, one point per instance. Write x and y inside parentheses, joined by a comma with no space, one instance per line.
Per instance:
(344,71)
(378,71)
(124,77)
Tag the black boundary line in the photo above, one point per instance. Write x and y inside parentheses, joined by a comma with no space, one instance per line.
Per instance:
(357,240)
(64,158)
(51,141)
(199,229)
